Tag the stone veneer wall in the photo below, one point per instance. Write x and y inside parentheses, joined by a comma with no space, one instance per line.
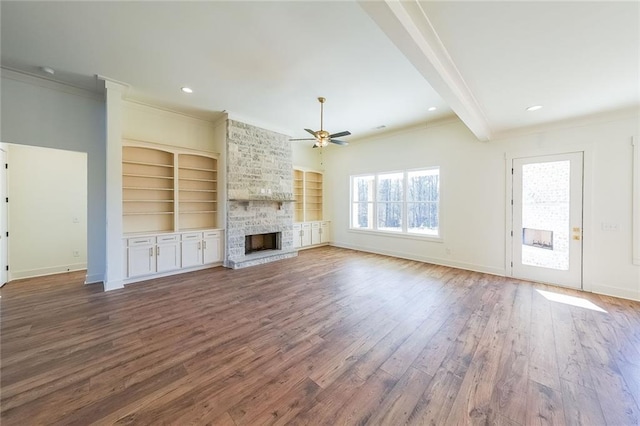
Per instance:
(259,173)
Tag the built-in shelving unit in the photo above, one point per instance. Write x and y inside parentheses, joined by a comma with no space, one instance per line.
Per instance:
(197,191)
(312,196)
(298,194)
(165,191)
(147,190)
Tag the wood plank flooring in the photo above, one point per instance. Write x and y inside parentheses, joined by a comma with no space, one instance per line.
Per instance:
(332,337)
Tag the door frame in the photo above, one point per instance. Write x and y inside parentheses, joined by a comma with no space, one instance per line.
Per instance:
(587,185)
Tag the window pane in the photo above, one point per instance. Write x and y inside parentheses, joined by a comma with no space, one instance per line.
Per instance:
(362,188)
(390,216)
(362,215)
(424,185)
(390,187)
(422,218)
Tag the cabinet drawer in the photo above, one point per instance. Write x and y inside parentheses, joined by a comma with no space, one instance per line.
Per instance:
(142,241)
(167,238)
(212,234)
(306,226)
(192,236)
(315,225)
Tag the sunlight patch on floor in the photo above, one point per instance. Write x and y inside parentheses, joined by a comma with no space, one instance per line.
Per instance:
(571,300)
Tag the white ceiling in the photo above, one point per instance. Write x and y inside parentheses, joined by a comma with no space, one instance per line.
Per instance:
(377,63)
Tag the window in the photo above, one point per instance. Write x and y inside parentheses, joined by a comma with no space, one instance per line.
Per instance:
(400,202)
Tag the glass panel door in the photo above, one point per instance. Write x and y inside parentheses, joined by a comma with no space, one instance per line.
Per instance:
(547,219)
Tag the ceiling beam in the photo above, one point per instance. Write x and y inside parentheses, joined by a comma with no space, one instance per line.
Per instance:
(408,27)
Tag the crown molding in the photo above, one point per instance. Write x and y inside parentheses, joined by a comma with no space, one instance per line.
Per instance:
(47,83)
(409,28)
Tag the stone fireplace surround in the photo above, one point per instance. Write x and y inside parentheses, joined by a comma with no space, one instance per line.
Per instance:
(259,192)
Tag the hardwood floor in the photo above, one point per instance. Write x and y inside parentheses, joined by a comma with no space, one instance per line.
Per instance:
(331,337)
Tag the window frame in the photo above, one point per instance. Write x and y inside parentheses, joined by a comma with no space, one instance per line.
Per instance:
(403,232)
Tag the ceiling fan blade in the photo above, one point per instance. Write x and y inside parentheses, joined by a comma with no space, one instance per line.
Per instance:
(304,139)
(339,134)
(337,142)
(311,131)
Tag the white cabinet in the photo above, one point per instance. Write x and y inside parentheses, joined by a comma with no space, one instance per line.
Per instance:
(307,234)
(211,247)
(191,249)
(324,233)
(149,255)
(315,233)
(297,235)
(141,256)
(201,248)
(166,253)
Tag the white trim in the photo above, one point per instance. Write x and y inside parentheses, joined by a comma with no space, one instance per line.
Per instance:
(167,148)
(52,270)
(636,201)
(425,259)
(587,184)
(397,234)
(94,279)
(621,292)
(40,81)
(153,276)
(257,123)
(112,285)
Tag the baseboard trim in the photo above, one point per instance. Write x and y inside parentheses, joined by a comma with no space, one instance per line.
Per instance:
(53,270)
(133,280)
(608,290)
(113,285)
(94,279)
(433,260)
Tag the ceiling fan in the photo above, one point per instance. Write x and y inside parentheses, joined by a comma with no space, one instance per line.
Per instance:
(322,137)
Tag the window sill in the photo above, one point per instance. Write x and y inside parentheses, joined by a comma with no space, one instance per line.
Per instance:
(418,237)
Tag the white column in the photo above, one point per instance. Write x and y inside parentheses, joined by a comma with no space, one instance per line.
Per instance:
(115,273)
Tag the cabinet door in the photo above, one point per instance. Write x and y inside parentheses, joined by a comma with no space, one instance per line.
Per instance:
(142,260)
(167,257)
(324,232)
(315,233)
(191,253)
(306,234)
(297,235)
(211,249)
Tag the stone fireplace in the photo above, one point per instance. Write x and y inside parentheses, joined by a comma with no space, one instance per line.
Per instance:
(260,196)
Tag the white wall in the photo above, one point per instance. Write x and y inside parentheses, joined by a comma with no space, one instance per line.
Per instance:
(41,113)
(47,211)
(473,191)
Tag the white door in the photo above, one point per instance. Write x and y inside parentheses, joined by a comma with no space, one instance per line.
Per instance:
(167,257)
(4,254)
(142,260)
(211,252)
(547,219)
(191,253)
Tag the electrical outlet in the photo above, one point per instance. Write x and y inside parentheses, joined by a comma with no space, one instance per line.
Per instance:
(609,227)
(76,253)
(76,220)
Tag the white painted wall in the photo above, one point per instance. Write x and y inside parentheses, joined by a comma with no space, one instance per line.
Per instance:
(42,113)
(473,190)
(47,211)
(150,124)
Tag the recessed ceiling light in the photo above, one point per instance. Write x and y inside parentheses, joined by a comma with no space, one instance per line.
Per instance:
(187,90)
(432,108)
(534,108)
(48,70)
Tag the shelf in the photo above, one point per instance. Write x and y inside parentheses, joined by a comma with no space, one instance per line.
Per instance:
(197,190)
(146,176)
(147,188)
(147,201)
(198,180)
(197,201)
(146,213)
(200,169)
(144,163)
(199,212)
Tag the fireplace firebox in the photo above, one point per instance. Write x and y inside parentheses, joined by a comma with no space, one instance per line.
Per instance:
(262,242)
